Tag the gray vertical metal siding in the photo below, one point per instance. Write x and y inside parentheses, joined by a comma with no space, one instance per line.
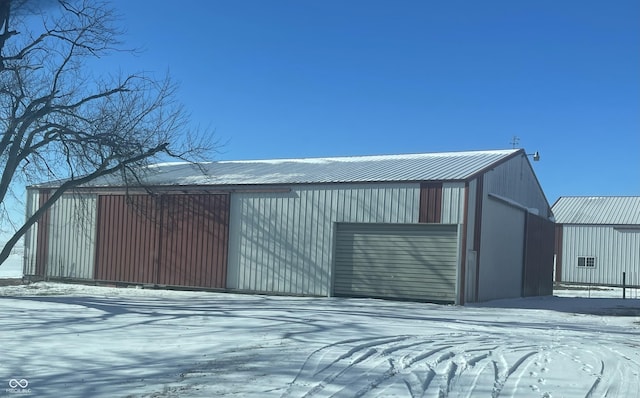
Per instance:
(557,266)
(628,250)
(282,242)
(501,250)
(452,203)
(471,255)
(31,237)
(616,251)
(42,237)
(71,237)
(516,181)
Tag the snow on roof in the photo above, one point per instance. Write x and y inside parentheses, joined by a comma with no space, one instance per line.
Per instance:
(376,168)
(602,210)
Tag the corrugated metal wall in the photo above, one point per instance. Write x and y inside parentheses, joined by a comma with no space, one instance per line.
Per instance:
(471,255)
(31,237)
(42,237)
(169,239)
(71,237)
(127,239)
(194,240)
(61,244)
(538,263)
(453,203)
(628,249)
(557,276)
(442,202)
(282,242)
(516,181)
(501,250)
(616,251)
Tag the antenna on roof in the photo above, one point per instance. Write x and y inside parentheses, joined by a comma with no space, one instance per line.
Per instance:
(515,140)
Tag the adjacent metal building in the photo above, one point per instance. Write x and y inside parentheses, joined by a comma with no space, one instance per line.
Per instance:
(449,227)
(597,240)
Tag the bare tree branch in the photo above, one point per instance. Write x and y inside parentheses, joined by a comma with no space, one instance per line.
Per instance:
(67,186)
(59,122)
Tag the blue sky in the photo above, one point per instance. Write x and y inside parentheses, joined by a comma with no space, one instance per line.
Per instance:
(317,78)
(279,79)
(327,78)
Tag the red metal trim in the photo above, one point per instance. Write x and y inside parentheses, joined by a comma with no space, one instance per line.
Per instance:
(430,202)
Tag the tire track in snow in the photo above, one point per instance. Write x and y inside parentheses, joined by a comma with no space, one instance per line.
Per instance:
(362,350)
(451,365)
(479,365)
(596,382)
(414,360)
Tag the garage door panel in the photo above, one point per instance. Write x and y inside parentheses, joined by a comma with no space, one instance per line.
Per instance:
(409,261)
(399,251)
(391,270)
(385,257)
(407,282)
(395,269)
(436,242)
(391,236)
(375,285)
(399,293)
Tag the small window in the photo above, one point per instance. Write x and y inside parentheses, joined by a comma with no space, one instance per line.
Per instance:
(586,261)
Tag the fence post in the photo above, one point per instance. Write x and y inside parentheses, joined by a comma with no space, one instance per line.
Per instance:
(624,278)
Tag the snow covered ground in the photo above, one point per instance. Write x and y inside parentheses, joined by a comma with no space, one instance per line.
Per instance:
(81,341)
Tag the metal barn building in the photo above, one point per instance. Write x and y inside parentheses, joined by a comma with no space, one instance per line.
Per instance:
(597,239)
(447,227)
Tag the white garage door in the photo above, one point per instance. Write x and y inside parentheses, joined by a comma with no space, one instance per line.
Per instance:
(401,261)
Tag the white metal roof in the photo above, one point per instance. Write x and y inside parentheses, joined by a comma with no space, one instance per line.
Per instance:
(378,168)
(609,210)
